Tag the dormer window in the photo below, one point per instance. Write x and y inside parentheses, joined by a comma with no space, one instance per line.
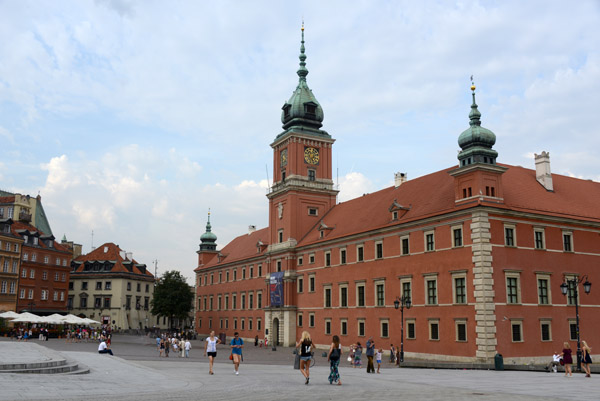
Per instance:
(35,241)
(286,111)
(310,108)
(395,215)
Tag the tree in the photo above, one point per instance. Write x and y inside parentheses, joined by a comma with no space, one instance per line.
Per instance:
(173,297)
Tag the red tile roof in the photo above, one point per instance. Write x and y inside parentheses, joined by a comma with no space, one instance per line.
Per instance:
(19,225)
(242,247)
(432,195)
(112,253)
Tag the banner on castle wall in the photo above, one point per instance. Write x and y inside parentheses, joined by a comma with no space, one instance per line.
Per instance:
(276,288)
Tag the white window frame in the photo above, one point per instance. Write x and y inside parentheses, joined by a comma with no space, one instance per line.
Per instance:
(457,322)
(377,283)
(457,275)
(345,286)
(517,275)
(402,238)
(570,234)
(542,231)
(431,322)
(428,278)
(543,276)
(462,235)
(425,234)
(518,322)
(362,284)
(513,227)
(547,321)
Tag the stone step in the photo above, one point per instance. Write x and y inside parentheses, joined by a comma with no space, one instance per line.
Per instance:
(10,367)
(70,367)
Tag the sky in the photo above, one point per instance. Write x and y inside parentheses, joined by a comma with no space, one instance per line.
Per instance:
(132,119)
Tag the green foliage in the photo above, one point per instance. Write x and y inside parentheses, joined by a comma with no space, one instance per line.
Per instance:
(172,296)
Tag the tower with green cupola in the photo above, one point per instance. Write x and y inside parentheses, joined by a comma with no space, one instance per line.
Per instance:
(302,165)
(478,176)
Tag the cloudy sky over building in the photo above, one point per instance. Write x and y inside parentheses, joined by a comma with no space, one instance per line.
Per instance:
(133,118)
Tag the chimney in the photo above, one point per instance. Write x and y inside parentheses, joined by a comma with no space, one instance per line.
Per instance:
(129,255)
(399,179)
(251,229)
(542,170)
(123,254)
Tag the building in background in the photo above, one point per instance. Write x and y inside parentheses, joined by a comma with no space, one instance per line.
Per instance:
(26,209)
(109,286)
(10,258)
(44,272)
(480,248)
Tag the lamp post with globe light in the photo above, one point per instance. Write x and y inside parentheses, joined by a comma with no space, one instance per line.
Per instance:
(569,286)
(400,303)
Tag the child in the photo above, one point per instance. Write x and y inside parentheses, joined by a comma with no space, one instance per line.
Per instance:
(378,358)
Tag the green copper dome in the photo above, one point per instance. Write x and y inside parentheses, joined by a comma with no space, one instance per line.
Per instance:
(476,141)
(208,239)
(302,111)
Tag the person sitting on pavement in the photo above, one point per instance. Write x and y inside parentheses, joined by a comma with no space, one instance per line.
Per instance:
(103,348)
(554,363)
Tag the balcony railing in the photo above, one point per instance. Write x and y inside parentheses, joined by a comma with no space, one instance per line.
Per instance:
(24,216)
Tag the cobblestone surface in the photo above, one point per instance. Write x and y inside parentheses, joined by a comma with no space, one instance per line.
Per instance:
(138,373)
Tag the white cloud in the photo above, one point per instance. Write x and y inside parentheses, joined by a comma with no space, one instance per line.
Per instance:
(353,185)
(142,126)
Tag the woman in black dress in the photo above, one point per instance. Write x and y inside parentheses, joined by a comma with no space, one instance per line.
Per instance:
(586,358)
(567,359)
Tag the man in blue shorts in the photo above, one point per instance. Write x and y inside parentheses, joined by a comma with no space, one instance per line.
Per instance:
(236,351)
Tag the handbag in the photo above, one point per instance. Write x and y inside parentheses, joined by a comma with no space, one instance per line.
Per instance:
(349,359)
(562,361)
(231,356)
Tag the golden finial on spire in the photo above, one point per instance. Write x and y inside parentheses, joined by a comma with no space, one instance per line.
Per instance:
(302,23)
(472,84)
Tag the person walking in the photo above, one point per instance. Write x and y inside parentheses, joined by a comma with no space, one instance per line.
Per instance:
(236,351)
(305,345)
(567,359)
(161,348)
(333,356)
(182,347)
(586,359)
(392,353)
(188,347)
(358,355)
(210,349)
(370,354)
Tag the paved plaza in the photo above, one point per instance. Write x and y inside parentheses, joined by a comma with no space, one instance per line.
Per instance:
(137,373)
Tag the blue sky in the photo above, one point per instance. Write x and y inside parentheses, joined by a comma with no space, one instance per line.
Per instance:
(133,118)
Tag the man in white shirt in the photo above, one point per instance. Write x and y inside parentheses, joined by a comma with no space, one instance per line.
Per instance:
(188,346)
(103,348)
(554,363)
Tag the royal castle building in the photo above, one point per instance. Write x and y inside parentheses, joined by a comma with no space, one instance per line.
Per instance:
(480,249)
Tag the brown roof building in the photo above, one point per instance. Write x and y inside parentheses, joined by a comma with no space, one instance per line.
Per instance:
(482,250)
(110,286)
(44,271)
(10,257)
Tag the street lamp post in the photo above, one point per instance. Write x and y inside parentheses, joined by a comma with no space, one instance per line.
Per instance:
(401,302)
(573,284)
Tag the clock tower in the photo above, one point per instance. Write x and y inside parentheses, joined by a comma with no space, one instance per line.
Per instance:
(302,190)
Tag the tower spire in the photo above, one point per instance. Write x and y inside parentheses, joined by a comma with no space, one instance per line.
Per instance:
(475,114)
(302,71)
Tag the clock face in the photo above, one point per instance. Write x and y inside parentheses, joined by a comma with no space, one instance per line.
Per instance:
(284,157)
(311,155)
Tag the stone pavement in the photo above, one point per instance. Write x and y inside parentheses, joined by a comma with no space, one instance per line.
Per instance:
(153,378)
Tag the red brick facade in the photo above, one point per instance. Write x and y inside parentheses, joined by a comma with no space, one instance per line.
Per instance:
(481,249)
